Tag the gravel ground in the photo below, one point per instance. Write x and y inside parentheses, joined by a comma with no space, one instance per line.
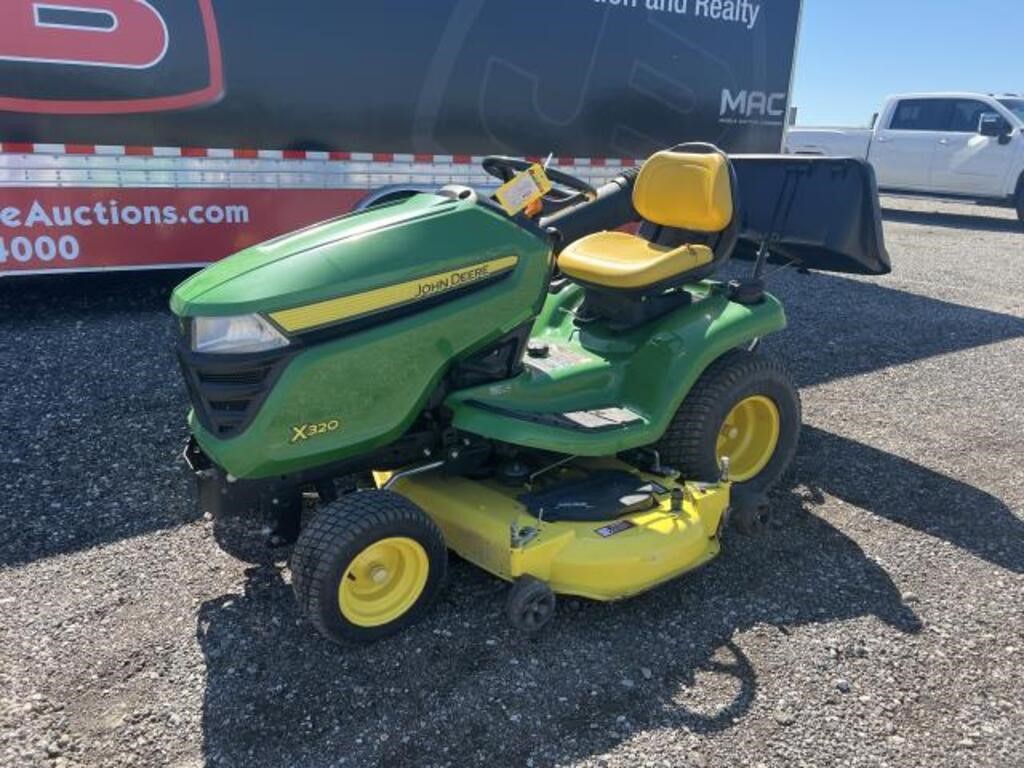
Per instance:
(880,622)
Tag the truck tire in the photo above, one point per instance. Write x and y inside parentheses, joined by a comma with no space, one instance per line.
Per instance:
(745,405)
(367,566)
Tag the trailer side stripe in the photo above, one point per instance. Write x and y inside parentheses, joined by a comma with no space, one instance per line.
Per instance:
(26,148)
(25,164)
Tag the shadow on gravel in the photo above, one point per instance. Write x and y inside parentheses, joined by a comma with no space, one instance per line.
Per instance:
(915,496)
(43,300)
(841,327)
(462,688)
(93,413)
(952,220)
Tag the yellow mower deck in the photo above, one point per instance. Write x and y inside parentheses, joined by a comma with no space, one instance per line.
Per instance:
(485,523)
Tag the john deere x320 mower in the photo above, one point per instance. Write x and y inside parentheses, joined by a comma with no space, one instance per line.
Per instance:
(516,377)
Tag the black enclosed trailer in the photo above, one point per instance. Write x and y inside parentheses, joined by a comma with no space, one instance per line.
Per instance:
(157,133)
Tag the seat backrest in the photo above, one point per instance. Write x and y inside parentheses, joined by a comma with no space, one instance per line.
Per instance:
(684,190)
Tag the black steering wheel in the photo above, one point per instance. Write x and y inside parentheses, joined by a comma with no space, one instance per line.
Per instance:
(567,190)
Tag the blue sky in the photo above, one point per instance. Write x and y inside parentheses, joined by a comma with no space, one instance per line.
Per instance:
(854,53)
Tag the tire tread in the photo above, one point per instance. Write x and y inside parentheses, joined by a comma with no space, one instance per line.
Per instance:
(683,446)
(339,526)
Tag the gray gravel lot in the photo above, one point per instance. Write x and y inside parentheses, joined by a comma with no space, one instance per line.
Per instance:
(880,622)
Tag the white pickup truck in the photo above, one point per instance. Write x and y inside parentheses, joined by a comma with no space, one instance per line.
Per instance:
(952,145)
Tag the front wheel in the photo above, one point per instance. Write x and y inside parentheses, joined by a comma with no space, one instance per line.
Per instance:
(367,566)
(745,407)
(1020,203)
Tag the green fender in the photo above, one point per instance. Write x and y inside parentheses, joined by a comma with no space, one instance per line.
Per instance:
(648,371)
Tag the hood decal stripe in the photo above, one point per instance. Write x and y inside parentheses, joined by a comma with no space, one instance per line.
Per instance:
(344,308)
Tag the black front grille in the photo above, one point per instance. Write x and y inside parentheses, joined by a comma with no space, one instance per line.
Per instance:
(228,390)
(253,377)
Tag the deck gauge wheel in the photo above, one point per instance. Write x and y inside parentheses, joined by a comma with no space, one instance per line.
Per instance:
(531,604)
(750,514)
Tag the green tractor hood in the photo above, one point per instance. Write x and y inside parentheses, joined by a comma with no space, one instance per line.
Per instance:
(375,307)
(353,253)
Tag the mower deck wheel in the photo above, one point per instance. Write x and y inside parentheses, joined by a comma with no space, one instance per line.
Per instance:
(367,565)
(530,605)
(750,513)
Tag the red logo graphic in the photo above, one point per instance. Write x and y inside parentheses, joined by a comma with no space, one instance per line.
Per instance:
(111,34)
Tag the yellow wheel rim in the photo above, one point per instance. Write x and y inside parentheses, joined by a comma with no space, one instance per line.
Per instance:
(383,581)
(749,436)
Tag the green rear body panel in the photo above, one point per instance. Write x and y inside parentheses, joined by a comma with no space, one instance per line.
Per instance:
(648,370)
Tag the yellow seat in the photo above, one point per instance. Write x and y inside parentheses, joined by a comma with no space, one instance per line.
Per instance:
(680,190)
(620,260)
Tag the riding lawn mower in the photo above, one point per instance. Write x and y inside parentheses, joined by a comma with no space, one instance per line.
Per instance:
(549,381)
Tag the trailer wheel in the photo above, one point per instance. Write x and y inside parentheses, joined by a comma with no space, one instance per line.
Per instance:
(367,566)
(744,406)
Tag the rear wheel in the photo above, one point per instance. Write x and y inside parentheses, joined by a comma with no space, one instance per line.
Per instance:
(367,566)
(1020,202)
(746,407)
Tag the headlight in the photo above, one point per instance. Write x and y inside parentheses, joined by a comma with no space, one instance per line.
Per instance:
(237,334)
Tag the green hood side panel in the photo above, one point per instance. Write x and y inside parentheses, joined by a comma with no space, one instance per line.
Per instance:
(373,382)
(648,370)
